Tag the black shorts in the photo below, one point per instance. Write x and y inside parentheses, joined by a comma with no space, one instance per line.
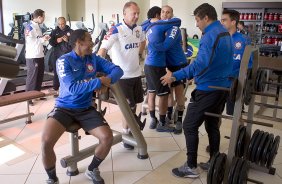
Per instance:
(88,118)
(153,75)
(174,69)
(133,90)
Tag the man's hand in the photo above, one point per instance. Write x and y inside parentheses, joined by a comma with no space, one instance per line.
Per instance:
(166,79)
(65,38)
(46,37)
(59,40)
(105,81)
(102,90)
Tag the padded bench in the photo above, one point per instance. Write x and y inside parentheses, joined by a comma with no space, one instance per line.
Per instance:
(17,98)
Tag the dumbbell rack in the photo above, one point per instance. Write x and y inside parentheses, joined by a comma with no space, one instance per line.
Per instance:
(258,62)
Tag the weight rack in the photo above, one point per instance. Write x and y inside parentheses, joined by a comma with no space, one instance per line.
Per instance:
(245,86)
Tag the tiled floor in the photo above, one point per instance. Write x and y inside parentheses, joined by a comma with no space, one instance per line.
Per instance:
(20,159)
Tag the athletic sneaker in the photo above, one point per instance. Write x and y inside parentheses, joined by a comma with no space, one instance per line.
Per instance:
(94,176)
(178,127)
(185,172)
(164,128)
(204,165)
(168,121)
(153,123)
(51,181)
(128,146)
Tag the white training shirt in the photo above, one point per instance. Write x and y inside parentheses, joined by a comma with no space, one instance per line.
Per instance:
(124,43)
(33,41)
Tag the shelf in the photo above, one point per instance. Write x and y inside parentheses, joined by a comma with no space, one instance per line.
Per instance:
(273,21)
(251,20)
(270,33)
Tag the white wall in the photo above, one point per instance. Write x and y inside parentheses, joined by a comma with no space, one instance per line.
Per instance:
(52,8)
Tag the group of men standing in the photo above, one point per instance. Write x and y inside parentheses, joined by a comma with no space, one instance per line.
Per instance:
(218,59)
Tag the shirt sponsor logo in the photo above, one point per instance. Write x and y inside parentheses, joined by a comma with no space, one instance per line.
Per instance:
(131,46)
(61,68)
(237,57)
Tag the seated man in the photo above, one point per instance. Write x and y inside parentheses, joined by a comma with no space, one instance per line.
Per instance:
(77,75)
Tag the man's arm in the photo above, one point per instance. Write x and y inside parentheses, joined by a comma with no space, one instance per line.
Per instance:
(102,52)
(171,38)
(110,38)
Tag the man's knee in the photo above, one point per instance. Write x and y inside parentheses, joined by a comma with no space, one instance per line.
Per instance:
(106,138)
(47,144)
(180,107)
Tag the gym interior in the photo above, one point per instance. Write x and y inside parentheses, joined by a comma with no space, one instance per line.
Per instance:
(249,150)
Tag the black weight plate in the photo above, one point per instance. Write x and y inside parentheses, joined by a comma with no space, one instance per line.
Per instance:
(260,147)
(266,149)
(255,147)
(232,169)
(252,142)
(219,169)
(273,152)
(239,152)
(233,90)
(210,171)
(243,173)
(237,171)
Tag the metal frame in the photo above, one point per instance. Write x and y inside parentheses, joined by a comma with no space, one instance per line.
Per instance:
(136,140)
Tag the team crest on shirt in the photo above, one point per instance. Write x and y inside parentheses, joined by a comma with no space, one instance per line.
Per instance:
(137,32)
(90,68)
(238,45)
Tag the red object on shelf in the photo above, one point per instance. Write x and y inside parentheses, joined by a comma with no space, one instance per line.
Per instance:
(280,17)
(275,17)
(250,17)
(270,17)
(246,16)
(242,16)
(269,40)
(280,28)
(266,15)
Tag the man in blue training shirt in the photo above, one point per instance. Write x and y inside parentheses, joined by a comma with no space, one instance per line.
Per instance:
(175,60)
(155,65)
(77,75)
(229,20)
(212,67)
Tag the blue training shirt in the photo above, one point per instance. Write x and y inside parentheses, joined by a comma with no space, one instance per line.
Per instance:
(78,78)
(155,33)
(172,47)
(211,68)
(240,41)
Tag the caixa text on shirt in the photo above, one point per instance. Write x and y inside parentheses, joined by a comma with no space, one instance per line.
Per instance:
(131,45)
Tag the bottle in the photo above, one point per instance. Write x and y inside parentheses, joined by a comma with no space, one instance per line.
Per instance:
(263,40)
(280,17)
(259,16)
(270,17)
(275,40)
(250,17)
(269,40)
(241,16)
(275,17)
(266,16)
(246,17)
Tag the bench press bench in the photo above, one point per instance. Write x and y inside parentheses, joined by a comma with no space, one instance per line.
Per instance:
(17,98)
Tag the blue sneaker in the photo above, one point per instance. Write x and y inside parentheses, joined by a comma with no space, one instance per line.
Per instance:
(164,128)
(51,181)
(94,176)
(153,124)
(185,172)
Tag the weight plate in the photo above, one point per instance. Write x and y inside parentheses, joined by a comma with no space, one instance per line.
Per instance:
(273,152)
(219,169)
(210,171)
(257,80)
(239,152)
(266,149)
(255,147)
(237,171)
(232,169)
(243,173)
(252,141)
(260,147)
